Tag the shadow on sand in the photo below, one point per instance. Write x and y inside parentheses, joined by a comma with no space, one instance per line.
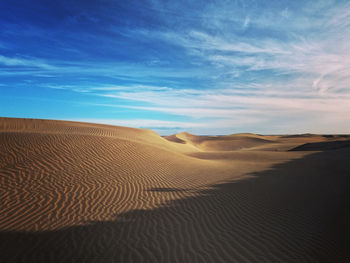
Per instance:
(297,211)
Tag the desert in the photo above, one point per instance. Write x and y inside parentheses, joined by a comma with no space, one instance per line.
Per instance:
(83,192)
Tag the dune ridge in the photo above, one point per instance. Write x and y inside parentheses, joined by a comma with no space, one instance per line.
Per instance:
(80,192)
(322,146)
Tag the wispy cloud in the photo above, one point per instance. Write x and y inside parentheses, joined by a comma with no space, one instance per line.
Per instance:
(229,107)
(27,62)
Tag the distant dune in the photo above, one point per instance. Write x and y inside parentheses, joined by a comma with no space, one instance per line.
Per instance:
(219,143)
(322,146)
(81,192)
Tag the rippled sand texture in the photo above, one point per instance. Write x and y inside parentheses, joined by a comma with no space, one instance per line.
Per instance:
(79,192)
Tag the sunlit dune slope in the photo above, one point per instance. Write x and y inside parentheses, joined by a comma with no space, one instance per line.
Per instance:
(56,174)
(80,128)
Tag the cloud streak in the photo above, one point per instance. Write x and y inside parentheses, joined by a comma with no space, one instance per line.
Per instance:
(25,62)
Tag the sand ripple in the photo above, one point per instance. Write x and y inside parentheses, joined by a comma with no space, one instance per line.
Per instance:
(77,192)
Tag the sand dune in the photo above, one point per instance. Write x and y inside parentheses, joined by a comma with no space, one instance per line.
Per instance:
(80,192)
(322,146)
(219,143)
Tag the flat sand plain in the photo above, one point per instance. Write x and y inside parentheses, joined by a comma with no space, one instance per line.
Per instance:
(80,192)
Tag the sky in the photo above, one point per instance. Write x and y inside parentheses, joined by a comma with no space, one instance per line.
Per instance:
(207,67)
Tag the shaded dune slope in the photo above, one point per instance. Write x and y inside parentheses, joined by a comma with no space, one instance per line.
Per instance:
(322,146)
(78,192)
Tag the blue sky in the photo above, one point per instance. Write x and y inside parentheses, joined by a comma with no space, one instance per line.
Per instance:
(208,67)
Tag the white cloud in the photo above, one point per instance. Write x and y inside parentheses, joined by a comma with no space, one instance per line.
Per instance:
(269,108)
(15,61)
(246,22)
(128,88)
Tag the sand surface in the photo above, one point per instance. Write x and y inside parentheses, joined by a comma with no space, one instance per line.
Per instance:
(80,192)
